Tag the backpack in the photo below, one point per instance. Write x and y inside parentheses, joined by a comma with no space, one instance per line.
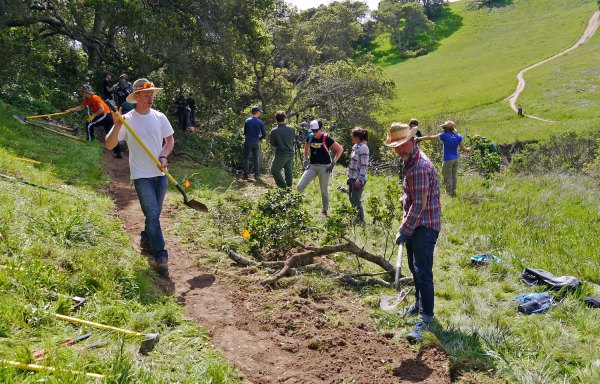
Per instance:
(534,302)
(532,276)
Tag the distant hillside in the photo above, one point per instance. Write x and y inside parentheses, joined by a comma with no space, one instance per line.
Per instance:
(473,70)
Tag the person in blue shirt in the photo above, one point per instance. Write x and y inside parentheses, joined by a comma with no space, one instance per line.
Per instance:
(254,131)
(452,141)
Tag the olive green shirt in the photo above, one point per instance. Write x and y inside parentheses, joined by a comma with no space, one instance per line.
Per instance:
(282,138)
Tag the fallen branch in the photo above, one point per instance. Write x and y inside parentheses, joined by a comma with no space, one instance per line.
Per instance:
(347,279)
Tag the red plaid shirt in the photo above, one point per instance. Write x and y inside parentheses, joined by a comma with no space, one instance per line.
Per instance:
(421,194)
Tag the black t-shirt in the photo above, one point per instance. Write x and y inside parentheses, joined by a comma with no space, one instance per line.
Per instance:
(106,84)
(318,153)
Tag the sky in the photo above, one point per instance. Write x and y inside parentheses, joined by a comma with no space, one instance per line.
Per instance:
(305,4)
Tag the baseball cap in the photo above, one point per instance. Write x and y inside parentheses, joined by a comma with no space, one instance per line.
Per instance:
(256,108)
(315,125)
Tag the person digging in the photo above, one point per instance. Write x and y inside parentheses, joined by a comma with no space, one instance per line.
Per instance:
(150,182)
(421,223)
(100,116)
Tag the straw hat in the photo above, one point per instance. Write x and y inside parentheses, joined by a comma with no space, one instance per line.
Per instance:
(142,85)
(399,134)
(448,124)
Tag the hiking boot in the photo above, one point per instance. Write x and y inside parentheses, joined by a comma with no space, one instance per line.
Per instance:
(162,266)
(410,311)
(417,333)
(145,246)
(119,156)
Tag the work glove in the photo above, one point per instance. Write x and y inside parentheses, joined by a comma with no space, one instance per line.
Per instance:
(67,110)
(401,238)
(329,168)
(90,118)
(357,184)
(306,164)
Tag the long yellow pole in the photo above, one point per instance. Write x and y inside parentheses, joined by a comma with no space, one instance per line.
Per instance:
(41,368)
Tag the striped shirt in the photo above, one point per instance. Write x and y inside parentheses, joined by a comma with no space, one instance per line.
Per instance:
(421,194)
(359,162)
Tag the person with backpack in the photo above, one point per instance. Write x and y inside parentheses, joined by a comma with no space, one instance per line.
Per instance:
(452,141)
(357,170)
(319,163)
(121,90)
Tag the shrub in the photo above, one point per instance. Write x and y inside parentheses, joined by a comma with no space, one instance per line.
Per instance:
(277,221)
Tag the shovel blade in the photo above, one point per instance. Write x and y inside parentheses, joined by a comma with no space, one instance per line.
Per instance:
(20,119)
(198,206)
(390,302)
(149,343)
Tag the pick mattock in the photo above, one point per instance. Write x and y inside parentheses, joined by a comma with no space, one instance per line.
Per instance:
(190,203)
(391,302)
(147,345)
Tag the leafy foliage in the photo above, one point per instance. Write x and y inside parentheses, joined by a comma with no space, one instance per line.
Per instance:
(339,222)
(560,152)
(277,221)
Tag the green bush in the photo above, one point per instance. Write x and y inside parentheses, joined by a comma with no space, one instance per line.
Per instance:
(277,221)
(560,152)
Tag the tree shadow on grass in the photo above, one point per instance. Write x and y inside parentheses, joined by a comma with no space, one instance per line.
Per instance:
(446,23)
(490,4)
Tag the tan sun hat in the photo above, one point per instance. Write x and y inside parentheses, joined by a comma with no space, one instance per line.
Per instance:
(142,85)
(448,124)
(399,134)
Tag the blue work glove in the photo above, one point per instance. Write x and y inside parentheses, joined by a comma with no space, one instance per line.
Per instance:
(329,168)
(401,238)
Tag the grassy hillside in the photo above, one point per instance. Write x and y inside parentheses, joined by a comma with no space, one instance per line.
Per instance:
(69,243)
(475,68)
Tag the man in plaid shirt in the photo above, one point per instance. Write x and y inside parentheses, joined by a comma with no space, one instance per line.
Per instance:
(421,223)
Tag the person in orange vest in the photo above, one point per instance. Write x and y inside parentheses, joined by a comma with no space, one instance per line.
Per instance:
(100,116)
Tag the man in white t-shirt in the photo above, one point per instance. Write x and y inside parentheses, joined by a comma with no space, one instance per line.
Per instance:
(150,182)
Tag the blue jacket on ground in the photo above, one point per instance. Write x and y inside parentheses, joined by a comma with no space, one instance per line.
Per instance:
(254,130)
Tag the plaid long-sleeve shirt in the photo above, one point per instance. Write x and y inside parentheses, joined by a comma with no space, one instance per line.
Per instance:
(359,162)
(421,194)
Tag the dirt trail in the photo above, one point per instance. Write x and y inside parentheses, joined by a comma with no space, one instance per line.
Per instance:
(593,25)
(278,336)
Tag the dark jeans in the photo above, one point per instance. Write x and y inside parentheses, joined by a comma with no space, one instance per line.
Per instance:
(355,198)
(285,162)
(151,193)
(419,248)
(254,148)
(104,121)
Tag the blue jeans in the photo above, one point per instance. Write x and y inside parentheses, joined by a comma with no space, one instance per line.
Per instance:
(419,248)
(151,193)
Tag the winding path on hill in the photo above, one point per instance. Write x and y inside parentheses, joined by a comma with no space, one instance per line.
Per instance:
(593,25)
(276,335)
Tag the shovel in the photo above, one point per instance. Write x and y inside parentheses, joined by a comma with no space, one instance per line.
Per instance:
(190,203)
(147,345)
(390,302)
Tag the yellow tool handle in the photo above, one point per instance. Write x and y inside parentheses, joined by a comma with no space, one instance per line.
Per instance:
(40,368)
(51,114)
(152,156)
(97,325)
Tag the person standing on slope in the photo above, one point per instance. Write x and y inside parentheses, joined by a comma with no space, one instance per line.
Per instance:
(150,182)
(452,141)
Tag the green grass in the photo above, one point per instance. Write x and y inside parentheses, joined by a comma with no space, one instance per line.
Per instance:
(548,222)
(475,68)
(70,243)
